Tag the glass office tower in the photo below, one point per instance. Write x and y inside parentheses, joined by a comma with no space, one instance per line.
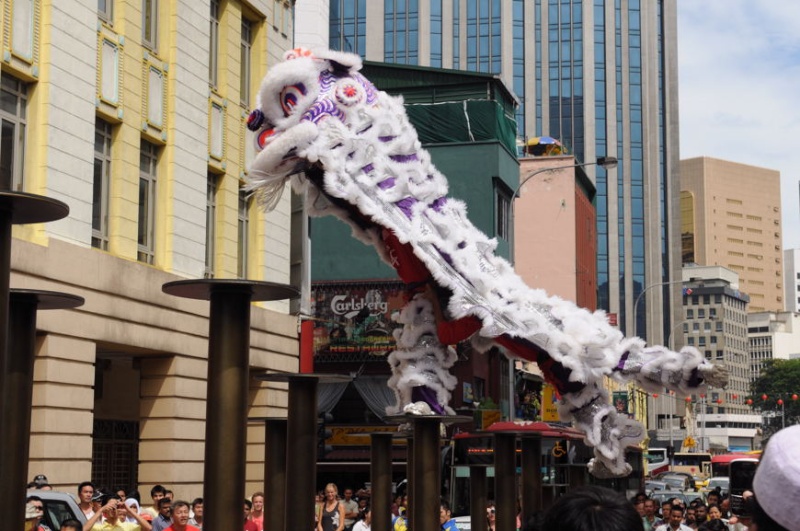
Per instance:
(599,75)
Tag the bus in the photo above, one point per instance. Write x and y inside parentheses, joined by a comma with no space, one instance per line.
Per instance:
(657,461)
(698,464)
(720,464)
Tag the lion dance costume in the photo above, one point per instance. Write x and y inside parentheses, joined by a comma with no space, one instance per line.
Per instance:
(321,124)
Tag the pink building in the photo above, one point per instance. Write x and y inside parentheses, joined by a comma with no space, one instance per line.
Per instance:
(555,232)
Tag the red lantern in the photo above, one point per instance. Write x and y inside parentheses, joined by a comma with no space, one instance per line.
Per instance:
(702,395)
(780,401)
(764,397)
(749,401)
(794,397)
(655,395)
(688,399)
(719,401)
(735,397)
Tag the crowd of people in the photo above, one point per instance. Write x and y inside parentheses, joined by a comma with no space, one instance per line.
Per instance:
(592,508)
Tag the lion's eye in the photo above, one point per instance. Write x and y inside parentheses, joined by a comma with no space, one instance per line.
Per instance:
(290,96)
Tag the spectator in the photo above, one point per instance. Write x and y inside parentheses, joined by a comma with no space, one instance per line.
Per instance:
(249,525)
(257,514)
(491,516)
(71,525)
(164,518)
(675,521)
(156,493)
(701,514)
(108,511)
(446,519)
(131,506)
(180,517)
(35,507)
(197,509)
(350,510)
(592,508)
(331,517)
(650,520)
(121,492)
(85,495)
(364,524)
(777,484)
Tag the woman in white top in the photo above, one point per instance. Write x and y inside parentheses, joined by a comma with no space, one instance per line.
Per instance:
(366,523)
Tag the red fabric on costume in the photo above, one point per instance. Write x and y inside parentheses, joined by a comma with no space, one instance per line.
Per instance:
(408,266)
(452,332)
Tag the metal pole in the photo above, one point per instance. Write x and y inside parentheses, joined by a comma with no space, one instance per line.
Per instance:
(477,498)
(5,276)
(531,477)
(16,407)
(275,474)
(511,411)
(17,394)
(381,480)
(301,454)
(505,479)
(427,471)
(226,407)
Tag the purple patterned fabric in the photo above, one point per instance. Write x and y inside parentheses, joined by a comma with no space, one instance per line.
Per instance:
(405,205)
(404,158)
(427,395)
(388,183)
(438,204)
(323,109)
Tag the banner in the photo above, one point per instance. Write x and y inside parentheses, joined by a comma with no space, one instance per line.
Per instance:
(549,404)
(355,317)
(621,402)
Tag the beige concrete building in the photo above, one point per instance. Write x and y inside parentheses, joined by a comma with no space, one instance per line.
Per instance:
(731,217)
(133,113)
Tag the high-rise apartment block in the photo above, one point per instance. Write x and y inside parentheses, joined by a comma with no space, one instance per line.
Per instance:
(133,114)
(601,76)
(791,279)
(772,335)
(731,217)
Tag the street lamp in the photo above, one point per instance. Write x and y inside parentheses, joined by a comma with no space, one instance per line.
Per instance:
(638,297)
(603,162)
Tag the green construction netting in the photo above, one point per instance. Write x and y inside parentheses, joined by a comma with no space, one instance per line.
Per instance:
(463,121)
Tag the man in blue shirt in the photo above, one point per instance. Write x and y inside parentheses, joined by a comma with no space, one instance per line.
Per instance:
(448,523)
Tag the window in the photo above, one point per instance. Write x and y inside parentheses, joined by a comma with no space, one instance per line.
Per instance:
(150,24)
(211,222)
(244,225)
(105,10)
(502,213)
(285,16)
(13,107)
(690,314)
(213,45)
(244,66)
(102,178)
(701,313)
(148,160)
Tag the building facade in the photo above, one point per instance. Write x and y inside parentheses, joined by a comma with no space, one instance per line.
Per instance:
(731,217)
(772,335)
(600,76)
(133,114)
(715,322)
(791,279)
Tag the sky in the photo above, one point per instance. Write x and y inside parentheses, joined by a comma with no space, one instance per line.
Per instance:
(739,89)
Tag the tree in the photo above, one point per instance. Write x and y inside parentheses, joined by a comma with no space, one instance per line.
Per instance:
(779,381)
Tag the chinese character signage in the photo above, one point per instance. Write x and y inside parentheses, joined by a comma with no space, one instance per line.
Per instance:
(355,317)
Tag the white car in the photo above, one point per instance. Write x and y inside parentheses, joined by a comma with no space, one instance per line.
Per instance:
(721,482)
